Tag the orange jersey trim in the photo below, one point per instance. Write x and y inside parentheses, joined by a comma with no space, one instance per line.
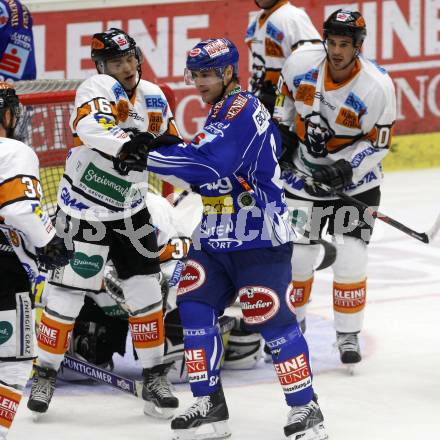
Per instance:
(266,14)
(14,190)
(329,84)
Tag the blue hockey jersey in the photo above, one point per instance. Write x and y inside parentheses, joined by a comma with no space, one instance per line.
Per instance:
(233,162)
(17,54)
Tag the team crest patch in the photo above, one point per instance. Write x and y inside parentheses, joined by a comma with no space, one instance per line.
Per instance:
(245,201)
(258,304)
(192,278)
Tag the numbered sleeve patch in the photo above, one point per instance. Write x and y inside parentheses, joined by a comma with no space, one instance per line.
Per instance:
(19,188)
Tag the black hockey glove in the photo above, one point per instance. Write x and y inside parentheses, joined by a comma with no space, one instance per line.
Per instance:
(134,153)
(54,254)
(337,176)
(289,144)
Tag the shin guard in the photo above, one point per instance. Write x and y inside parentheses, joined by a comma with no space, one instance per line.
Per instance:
(203,347)
(290,355)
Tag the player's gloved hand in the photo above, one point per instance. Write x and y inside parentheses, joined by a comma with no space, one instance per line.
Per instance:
(337,176)
(134,153)
(289,144)
(54,254)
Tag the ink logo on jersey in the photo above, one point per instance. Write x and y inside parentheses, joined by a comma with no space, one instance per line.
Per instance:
(216,48)
(237,105)
(43,216)
(119,91)
(294,374)
(192,278)
(145,331)
(251,30)
(196,365)
(175,277)
(121,41)
(357,160)
(13,61)
(6,331)
(4,15)
(104,121)
(155,121)
(225,243)
(218,205)
(103,185)
(273,32)
(202,138)
(258,304)
(9,402)
(156,102)
(356,104)
(261,117)
(85,266)
(348,118)
(245,200)
(14,238)
(71,202)
(311,77)
(306,94)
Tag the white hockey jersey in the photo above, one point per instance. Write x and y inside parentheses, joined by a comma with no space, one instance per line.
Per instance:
(22,219)
(272,36)
(351,120)
(103,121)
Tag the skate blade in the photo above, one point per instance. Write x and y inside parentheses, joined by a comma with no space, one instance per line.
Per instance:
(36,416)
(315,433)
(150,409)
(351,368)
(221,431)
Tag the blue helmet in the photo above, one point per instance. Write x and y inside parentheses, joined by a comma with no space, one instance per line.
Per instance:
(215,53)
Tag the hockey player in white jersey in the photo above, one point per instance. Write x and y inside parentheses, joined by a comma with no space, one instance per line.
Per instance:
(272,35)
(31,237)
(342,107)
(105,202)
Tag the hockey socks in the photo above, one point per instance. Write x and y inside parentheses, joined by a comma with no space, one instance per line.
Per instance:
(203,347)
(290,355)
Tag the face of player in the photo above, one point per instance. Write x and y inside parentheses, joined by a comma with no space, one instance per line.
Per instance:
(124,69)
(266,4)
(341,56)
(210,85)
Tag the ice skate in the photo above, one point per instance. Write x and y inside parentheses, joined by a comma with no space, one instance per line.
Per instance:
(305,423)
(43,387)
(349,350)
(156,392)
(206,419)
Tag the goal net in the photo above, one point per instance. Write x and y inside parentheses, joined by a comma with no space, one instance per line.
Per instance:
(48,105)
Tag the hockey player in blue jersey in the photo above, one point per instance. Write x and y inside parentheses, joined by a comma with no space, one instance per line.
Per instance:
(242,248)
(17,54)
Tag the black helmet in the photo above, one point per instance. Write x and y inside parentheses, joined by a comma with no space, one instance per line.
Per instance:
(346,23)
(9,100)
(111,44)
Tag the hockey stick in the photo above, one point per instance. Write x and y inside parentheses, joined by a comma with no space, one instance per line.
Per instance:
(425,237)
(101,375)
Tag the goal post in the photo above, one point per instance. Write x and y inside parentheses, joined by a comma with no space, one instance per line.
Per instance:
(44,126)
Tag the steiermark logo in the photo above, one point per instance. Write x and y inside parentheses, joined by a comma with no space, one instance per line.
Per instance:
(105,183)
(85,266)
(5,331)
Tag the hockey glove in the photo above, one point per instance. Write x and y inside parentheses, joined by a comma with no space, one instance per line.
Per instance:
(337,176)
(289,144)
(54,254)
